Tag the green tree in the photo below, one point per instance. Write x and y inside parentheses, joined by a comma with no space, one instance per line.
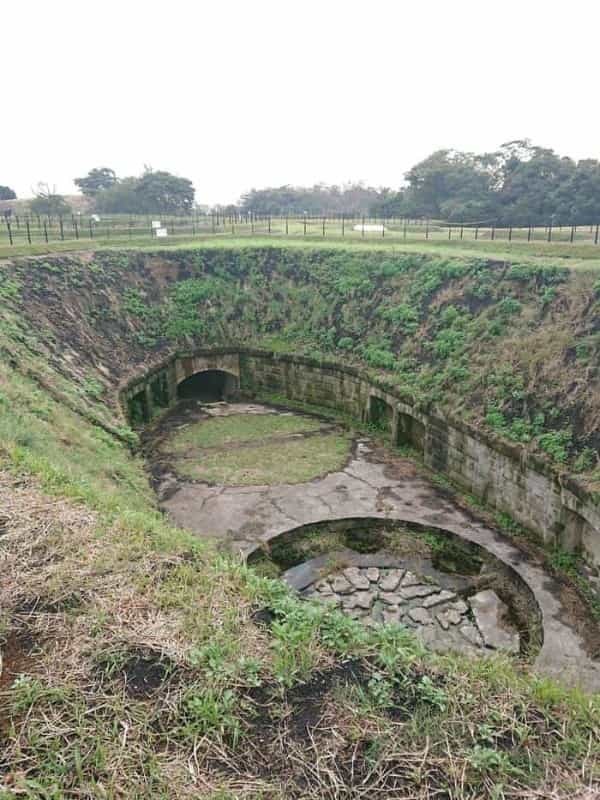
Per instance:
(528,181)
(6,193)
(121,198)
(162,192)
(152,193)
(48,203)
(353,198)
(518,184)
(97,180)
(450,185)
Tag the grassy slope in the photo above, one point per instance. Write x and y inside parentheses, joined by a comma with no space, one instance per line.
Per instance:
(98,593)
(510,346)
(574,256)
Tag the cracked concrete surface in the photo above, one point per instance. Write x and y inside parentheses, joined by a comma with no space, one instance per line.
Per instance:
(376,483)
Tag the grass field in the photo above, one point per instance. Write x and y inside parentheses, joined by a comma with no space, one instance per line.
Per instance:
(248,450)
(582,252)
(240,428)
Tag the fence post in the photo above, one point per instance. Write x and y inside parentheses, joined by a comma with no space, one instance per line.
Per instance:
(550,232)
(510,233)
(304,220)
(62,231)
(28,231)
(91,230)
(461,232)
(45,232)
(269,225)
(343,224)
(382,227)
(427,228)
(476,232)
(404,230)
(363,226)
(493,236)
(449,231)
(287,226)
(529,233)
(76,229)
(323,226)
(10,239)
(597,232)
(572,236)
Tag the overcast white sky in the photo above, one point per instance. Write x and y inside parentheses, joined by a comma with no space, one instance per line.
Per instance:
(236,95)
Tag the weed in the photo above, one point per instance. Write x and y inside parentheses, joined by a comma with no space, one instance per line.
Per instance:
(206,711)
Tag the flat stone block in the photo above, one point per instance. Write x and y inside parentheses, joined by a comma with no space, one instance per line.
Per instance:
(409,579)
(489,612)
(359,581)
(420,615)
(420,590)
(364,599)
(471,634)
(437,599)
(390,582)
(391,598)
(340,585)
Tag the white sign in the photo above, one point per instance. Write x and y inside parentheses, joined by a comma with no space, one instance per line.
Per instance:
(369,228)
(161,232)
(156,224)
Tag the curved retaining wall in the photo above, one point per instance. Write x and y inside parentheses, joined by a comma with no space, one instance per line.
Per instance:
(503,474)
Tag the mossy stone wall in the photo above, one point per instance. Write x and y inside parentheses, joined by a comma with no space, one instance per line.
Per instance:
(501,473)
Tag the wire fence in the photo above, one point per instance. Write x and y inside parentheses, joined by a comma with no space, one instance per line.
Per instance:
(32,230)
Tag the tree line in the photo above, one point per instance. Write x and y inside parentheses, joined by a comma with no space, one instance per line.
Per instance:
(518,184)
(152,192)
(320,199)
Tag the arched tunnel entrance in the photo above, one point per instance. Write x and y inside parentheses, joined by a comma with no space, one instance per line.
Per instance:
(209,386)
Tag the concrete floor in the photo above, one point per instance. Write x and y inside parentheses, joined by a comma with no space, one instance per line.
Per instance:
(376,483)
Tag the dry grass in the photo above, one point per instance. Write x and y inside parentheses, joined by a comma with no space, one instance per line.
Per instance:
(248,450)
(239,429)
(141,672)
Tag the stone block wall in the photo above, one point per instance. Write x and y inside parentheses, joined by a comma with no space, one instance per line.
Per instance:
(504,475)
(500,473)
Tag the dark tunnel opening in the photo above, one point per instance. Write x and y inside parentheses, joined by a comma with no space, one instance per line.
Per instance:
(209,386)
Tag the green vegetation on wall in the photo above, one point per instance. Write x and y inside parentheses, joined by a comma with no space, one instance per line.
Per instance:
(512,347)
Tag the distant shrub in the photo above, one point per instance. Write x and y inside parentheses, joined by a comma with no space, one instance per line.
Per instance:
(508,306)
(585,461)
(495,418)
(448,343)
(404,316)
(556,444)
(379,357)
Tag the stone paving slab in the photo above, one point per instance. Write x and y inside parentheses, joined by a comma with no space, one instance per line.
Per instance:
(359,590)
(247,516)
